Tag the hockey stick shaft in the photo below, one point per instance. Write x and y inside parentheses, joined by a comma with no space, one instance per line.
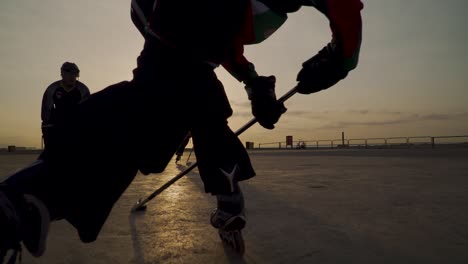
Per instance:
(141,203)
(190,154)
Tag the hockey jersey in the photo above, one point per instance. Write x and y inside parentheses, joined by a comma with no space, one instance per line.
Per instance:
(216,31)
(57,102)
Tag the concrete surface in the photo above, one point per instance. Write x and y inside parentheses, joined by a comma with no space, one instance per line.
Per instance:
(305,206)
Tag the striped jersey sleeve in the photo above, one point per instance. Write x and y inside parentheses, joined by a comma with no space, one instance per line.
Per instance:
(48,102)
(346,26)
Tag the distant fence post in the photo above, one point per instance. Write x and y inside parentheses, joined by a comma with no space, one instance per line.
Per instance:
(248,145)
(433,142)
(289,141)
(317,144)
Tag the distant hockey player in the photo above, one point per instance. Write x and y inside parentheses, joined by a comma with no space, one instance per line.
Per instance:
(61,97)
(118,131)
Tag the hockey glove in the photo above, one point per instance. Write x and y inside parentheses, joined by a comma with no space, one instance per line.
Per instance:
(265,107)
(321,71)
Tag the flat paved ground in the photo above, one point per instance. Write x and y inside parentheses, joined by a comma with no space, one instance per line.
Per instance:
(305,206)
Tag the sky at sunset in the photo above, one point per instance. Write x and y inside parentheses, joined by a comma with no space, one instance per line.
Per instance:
(411,81)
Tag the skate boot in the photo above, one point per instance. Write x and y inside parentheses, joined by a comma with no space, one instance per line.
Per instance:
(22,218)
(229,219)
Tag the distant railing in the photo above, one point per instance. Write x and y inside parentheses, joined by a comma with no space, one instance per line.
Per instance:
(384,142)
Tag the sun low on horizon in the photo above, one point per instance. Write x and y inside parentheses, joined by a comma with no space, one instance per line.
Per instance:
(411,79)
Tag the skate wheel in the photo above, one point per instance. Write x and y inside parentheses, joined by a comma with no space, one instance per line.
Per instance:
(238,241)
(233,239)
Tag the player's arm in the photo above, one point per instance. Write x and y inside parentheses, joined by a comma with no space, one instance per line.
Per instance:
(84,91)
(239,67)
(47,104)
(260,89)
(340,56)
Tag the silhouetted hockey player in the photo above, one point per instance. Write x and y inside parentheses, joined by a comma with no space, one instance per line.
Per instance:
(60,98)
(131,126)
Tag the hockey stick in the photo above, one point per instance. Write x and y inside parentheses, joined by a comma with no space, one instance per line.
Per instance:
(141,203)
(190,154)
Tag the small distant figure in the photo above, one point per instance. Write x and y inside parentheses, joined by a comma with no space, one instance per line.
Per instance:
(301,145)
(60,98)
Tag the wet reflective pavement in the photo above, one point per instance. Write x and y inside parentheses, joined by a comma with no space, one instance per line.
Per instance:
(305,206)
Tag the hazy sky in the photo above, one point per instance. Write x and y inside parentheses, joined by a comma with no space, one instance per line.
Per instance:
(412,77)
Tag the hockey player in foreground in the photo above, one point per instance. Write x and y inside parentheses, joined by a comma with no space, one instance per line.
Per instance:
(131,126)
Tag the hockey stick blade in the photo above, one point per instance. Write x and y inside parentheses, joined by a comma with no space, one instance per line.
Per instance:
(139,206)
